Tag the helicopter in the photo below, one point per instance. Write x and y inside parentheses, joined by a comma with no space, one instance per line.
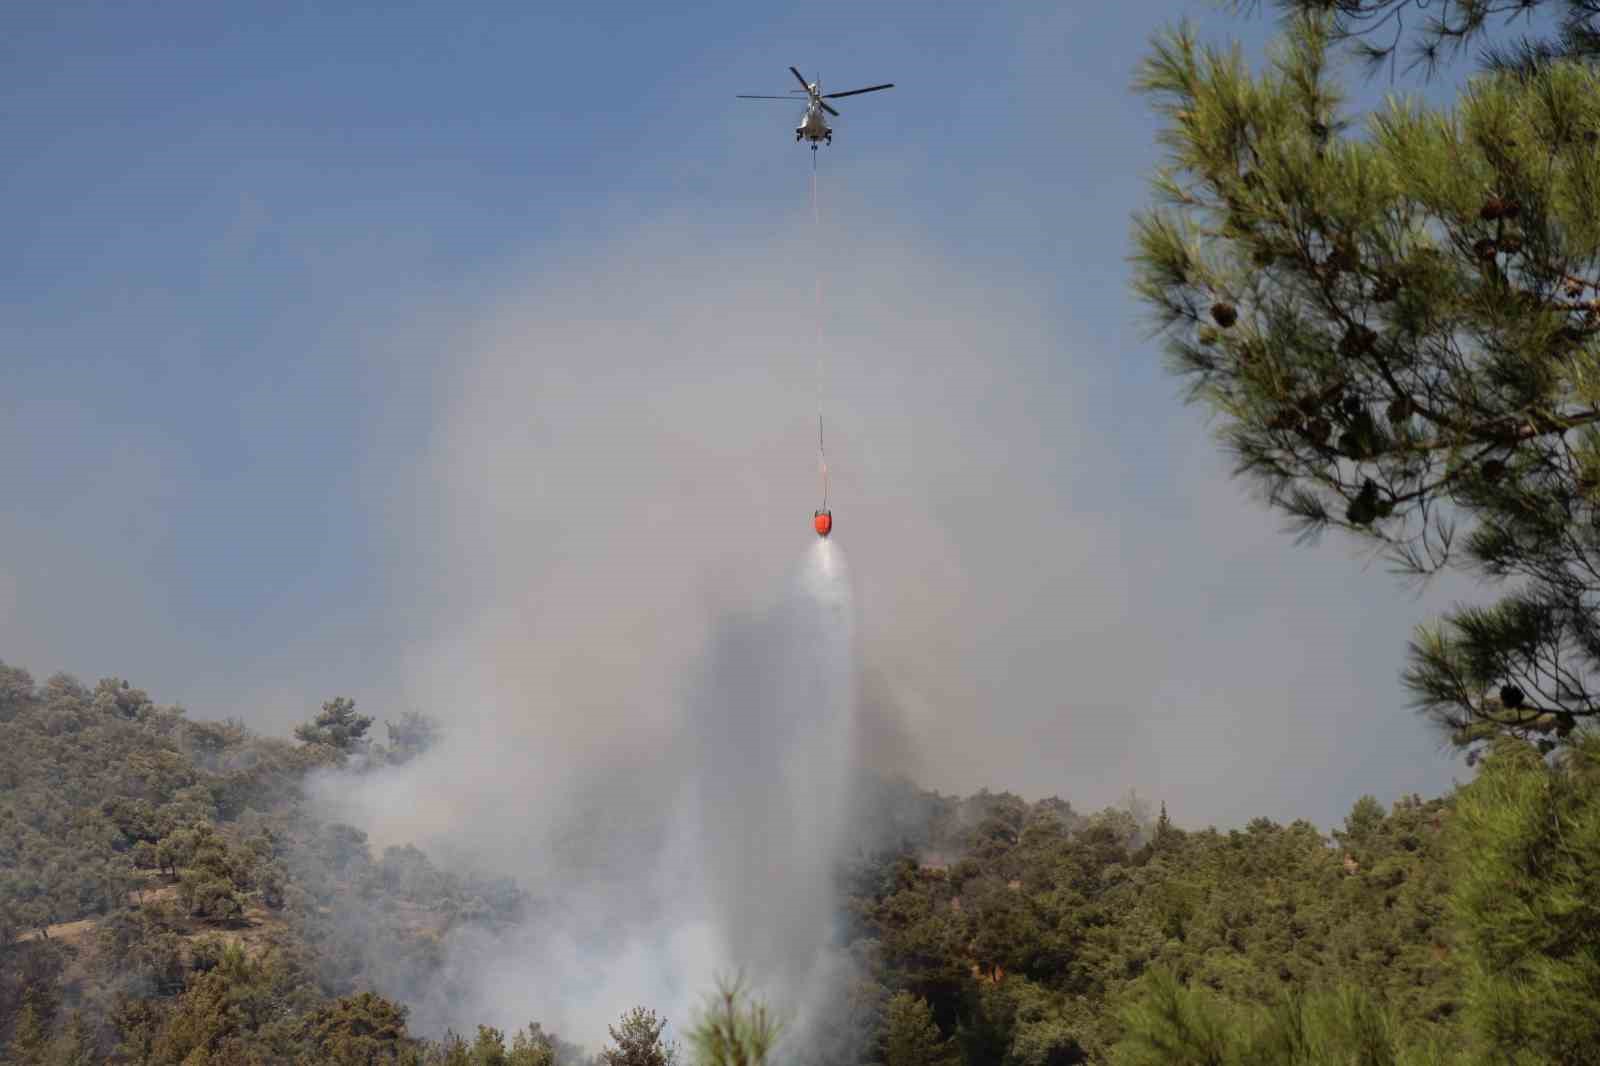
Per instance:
(813,126)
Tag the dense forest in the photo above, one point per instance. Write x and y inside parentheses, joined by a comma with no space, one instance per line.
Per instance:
(168,898)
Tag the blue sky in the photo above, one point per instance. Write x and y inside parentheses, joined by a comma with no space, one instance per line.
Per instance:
(255,251)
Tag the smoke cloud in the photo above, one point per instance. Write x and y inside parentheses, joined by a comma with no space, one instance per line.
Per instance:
(595,572)
(712,854)
(655,717)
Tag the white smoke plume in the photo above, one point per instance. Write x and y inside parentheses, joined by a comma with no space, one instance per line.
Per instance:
(593,570)
(652,718)
(712,853)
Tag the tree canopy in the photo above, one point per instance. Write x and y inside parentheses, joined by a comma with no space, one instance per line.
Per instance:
(1441,30)
(338,726)
(1398,328)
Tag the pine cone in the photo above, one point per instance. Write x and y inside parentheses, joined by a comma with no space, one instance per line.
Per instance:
(1357,340)
(1493,208)
(1364,508)
(1494,470)
(1225,315)
(1510,696)
(1485,248)
(1400,410)
(1360,441)
(1319,430)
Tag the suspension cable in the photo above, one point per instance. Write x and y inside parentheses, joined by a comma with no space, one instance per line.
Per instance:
(816,318)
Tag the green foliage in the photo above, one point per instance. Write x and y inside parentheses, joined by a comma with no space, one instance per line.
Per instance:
(1399,330)
(637,1041)
(997,932)
(732,1031)
(30,1039)
(1171,1025)
(141,949)
(1243,914)
(912,1038)
(215,876)
(163,829)
(99,785)
(1167,1024)
(533,1047)
(336,726)
(1528,847)
(536,1048)
(362,1029)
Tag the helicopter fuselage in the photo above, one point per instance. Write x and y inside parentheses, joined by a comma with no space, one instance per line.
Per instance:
(813,126)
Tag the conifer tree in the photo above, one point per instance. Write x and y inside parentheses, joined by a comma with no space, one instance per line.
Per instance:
(1442,29)
(30,1040)
(638,1041)
(733,1031)
(1527,837)
(336,726)
(1399,327)
(912,1038)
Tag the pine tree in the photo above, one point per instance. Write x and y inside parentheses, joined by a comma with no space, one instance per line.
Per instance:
(1448,27)
(490,1047)
(30,1040)
(732,1032)
(1165,835)
(1527,838)
(531,1048)
(912,1038)
(638,1041)
(337,726)
(1400,333)
(1170,1025)
(76,1046)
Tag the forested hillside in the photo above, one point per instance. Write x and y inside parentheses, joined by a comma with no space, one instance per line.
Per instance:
(166,897)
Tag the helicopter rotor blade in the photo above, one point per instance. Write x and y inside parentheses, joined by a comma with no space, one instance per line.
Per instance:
(826,108)
(745,96)
(857,92)
(801,78)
